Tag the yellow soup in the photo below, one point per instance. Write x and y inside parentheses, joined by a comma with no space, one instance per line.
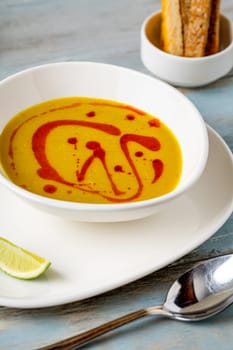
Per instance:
(90,150)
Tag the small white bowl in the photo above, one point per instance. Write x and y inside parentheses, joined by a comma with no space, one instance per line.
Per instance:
(98,80)
(185,71)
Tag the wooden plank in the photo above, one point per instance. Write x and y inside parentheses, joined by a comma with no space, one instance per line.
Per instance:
(36,32)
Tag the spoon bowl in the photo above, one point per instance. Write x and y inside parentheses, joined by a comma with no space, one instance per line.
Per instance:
(201,292)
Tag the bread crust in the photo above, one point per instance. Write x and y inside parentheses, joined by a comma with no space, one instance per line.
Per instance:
(212,45)
(185,6)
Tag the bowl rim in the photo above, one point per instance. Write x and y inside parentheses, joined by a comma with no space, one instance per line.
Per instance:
(223,52)
(82,206)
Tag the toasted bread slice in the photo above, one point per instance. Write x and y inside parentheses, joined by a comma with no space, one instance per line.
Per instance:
(212,45)
(190,27)
(171,28)
(198,26)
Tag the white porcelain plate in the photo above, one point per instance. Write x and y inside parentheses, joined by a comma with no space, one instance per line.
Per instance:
(88,259)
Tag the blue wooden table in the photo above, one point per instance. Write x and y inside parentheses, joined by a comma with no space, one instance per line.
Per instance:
(34,32)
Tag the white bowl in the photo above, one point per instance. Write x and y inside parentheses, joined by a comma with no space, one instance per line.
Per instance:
(185,71)
(109,82)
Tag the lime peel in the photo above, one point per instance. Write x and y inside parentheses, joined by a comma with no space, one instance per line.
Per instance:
(20,263)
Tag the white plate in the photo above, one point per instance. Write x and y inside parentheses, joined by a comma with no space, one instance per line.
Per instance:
(88,259)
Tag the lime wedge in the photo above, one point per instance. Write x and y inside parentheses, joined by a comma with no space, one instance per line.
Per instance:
(20,263)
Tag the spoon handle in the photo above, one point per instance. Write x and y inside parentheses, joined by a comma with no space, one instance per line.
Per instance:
(83,338)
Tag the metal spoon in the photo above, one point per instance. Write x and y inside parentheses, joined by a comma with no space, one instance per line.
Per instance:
(199,293)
